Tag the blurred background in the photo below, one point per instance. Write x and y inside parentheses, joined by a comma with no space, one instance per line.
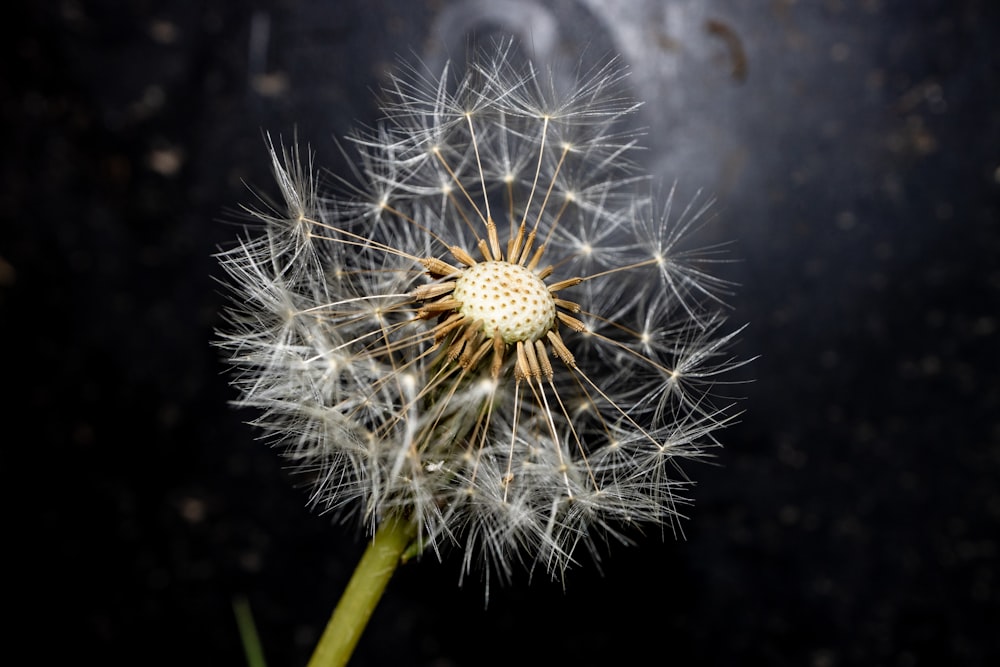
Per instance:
(853,517)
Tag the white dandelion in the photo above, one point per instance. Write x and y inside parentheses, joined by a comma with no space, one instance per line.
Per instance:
(490,335)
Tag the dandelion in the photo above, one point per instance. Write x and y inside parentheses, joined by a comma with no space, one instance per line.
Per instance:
(493,337)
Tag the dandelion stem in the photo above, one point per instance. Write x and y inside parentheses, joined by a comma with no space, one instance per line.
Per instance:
(363,592)
(248,633)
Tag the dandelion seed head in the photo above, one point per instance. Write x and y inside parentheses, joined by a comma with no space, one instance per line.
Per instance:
(495,332)
(509,300)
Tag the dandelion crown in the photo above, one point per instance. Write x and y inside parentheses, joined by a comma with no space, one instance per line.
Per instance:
(491,333)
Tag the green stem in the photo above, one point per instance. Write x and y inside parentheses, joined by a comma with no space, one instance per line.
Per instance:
(252,649)
(363,592)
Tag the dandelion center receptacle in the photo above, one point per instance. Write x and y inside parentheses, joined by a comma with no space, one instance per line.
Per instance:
(509,299)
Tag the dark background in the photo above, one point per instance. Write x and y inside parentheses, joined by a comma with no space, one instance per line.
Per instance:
(853,517)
